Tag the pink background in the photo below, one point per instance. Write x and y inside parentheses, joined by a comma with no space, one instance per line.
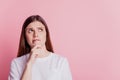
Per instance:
(87,32)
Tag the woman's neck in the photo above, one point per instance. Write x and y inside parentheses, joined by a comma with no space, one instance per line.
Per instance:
(44,53)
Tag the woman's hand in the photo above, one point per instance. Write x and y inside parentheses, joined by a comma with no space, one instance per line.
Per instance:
(34,53)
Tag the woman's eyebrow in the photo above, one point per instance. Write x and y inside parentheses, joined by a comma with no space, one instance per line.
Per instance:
(28,28)
(41,27)
(33,28)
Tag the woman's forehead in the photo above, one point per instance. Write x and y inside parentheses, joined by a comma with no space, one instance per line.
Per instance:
(35,24)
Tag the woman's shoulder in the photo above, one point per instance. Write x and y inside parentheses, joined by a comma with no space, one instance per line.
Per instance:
(58,58)
(58,61)
(21,59)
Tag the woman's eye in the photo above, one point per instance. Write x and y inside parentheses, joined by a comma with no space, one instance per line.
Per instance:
(40,29)
(30,30)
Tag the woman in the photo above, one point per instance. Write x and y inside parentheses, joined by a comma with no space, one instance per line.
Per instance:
(36,59)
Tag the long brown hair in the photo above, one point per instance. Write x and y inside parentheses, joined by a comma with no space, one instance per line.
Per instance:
(24,47)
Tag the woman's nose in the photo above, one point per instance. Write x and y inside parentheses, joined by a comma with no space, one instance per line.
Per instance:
(35,34)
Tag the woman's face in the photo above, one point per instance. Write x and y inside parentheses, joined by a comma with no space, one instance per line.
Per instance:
(35,34)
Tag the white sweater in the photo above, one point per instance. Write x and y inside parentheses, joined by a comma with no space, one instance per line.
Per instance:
(53,67)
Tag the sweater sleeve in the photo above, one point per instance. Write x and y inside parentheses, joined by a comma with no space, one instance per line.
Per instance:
(66,73)
(13,74)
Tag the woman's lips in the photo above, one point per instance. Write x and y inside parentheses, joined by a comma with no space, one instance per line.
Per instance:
(36,41)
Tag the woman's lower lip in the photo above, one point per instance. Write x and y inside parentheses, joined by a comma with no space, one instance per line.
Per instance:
(34,41)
